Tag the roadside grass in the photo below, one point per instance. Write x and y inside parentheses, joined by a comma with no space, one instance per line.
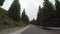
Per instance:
(6,22)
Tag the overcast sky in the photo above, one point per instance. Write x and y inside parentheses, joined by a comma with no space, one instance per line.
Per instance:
(31,6)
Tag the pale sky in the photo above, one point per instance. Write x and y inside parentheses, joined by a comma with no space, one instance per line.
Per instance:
(31,6)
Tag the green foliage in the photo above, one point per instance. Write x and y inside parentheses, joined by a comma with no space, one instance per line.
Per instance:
(57,4)
(1,2)
(25,17)
(34,22)
(48,15)
(14,10)
(12,16)
(39,16)
(5,20)
(57,13)
(45,14)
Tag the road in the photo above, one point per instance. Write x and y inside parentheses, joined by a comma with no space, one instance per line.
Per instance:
(10,30)
(37,30)
(16,30)
(29,29)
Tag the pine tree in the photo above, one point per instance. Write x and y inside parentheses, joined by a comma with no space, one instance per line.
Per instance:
(14,10)
(47,13)
(57,4)
(57,16)
(25,17)
(33,22)
(39,16)
(1,2)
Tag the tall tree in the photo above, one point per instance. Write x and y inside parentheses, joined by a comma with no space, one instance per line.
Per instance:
(47,12)
(1,2)
(25,17)
(33,22)
(57,4)
(39,16)
(14,10)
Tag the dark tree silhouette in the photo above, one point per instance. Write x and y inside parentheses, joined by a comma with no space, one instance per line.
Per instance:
(57,4)
(39,16)
(25,17)
(1,2)
(47,13)
(57,13)
(14,10)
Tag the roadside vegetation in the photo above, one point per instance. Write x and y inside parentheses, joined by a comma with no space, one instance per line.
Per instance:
(48,15)
(12,18)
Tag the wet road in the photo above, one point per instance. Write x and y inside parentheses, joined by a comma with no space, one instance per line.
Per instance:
(37,30)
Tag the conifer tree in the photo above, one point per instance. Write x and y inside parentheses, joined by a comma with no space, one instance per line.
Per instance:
(1,2)
(47,12)
(57,16)
(25,17)
(39,16)
(14,10)
(57,4)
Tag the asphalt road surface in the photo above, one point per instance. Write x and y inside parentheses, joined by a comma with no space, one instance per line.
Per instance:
(37,30)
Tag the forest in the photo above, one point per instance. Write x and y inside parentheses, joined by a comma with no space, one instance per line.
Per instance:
(48,15)
(12,18)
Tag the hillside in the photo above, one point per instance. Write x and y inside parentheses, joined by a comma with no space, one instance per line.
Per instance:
(4,19)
